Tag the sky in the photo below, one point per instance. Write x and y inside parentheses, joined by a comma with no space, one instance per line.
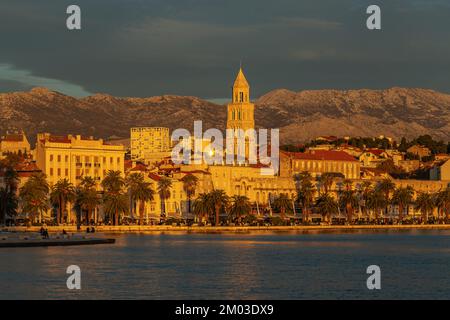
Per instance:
(194,47)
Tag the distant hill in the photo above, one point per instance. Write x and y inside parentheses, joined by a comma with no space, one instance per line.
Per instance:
(303,115)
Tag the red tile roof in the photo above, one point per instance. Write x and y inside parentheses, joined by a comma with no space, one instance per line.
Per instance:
(139,167)
(323,155)
(154,176)
(13,138)
(376,152)
(56,139)
(195,171)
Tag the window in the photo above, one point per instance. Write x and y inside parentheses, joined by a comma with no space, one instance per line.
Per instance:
(59,172)
(51,157)
(51,171)
(66,172)
(241,97)
(59,158)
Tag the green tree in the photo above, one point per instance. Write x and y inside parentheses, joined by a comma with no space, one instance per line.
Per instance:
(143,192)
(164,186)
(132,181)
(305,193)
(8,193)
(240,207)
(114,198)
(190,183)
(327,206)
(219,201)
(34,195)
(114,204)
(88,200)
(442,200)
(326,182)
(202,206)
(366,191)
(61,193)
(8,204)
(402,197)
(386,186)
(349,200)
(425,204)
(282,204)
(376,202)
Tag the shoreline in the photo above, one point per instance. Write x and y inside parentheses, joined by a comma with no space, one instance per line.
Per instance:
(231,229)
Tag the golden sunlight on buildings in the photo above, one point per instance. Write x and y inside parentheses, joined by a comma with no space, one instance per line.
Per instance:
(150,144)
(74,157)
(318,162)
(14,142)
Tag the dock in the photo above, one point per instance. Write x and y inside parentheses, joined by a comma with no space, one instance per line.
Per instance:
(26,242)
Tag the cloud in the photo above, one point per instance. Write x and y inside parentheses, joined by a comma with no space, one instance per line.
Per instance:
(23,79)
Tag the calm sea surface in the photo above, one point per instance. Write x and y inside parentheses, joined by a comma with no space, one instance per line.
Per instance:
(414,265)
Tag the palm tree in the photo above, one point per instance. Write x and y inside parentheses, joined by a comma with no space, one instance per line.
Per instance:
(349,200)
(403,198)
(113,197)
(61,193)
(326,181)
(425,204)
(190,183)
(305,192)
(219,200)
(8,193)
(376,202)
(202,206)
(282,203)
(11,179)
(327,206)
(240,207)
(88,182)
(87,197)
(142,192)
(387,187)
(114,204)
(366,192)
(34,195)
(88,200)
(132,181)
(164,186)
(8,204)
(443,203)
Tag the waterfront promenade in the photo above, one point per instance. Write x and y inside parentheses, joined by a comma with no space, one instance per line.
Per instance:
(230,229)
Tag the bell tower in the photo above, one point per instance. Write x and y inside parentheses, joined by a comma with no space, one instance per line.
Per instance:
(240,110)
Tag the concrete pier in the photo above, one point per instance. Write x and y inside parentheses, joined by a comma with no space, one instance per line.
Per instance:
(6,242)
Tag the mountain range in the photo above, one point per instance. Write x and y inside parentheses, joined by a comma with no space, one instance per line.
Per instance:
(301,116)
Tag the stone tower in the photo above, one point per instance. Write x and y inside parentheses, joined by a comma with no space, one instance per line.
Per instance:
(240,110)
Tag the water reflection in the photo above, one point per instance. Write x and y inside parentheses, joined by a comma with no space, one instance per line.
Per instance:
(229,266)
